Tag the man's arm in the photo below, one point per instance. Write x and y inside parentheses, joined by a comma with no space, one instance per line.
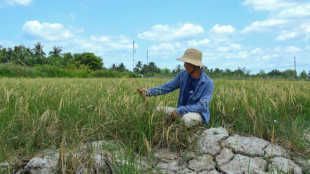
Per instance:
(165,88)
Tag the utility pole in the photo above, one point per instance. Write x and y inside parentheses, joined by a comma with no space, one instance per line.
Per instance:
(147,60)
(133,55)
(295,67)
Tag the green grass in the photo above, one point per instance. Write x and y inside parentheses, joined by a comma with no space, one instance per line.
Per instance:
(40,113)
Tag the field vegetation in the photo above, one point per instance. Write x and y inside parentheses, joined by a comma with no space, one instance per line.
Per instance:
(34,62)
(49,113)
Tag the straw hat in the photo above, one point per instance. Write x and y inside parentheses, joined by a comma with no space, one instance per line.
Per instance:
(192,56)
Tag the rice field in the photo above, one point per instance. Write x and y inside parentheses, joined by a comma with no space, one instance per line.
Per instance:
(46,113)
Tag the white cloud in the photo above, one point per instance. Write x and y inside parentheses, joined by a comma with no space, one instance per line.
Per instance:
(194,43)
(306,27)
(164,50)
(257,51)
(265,25)
(296,11)
(106,43)
(225,29)
(18,2)
(289,18)
(287,36)
(272,56)
(231,47)
(57,34)
(164,47)
(292,49)
(168,33)
(242,55)
(46,31)
(267,5)
(99,38)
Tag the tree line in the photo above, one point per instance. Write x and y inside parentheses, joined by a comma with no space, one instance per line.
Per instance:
(89,62)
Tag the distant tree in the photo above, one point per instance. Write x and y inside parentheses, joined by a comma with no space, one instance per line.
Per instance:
(248,72)
(38,53)
(165,71)
(138,67)
(178,69)
(113,67)
(55,57)
(89,59)
(68,59)
(9,55)
(204,69)
(150,69)
(2,52)
(274,72)
(218,70)
(55,52)
(289,73)
(228,71)
(303,74)
(121,67)
(153,68)
(262,73)
(22,56)
(67,56)
(239,71)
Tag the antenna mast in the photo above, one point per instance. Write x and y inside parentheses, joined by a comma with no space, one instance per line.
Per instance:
(133,55)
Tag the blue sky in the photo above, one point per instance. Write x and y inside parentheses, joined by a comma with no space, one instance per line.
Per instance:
(255,34)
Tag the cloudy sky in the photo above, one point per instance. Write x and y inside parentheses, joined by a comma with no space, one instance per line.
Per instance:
(255,34)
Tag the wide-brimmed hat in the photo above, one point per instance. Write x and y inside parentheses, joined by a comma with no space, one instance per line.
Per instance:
(192,56)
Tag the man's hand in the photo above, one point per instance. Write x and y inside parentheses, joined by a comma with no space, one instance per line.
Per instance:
(174,115)
(142,91)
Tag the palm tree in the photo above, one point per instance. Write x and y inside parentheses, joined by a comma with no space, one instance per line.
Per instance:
(56,51)
(38,50)
(178,69)
(113,67)
(22,55)
(138,67)
(121,68)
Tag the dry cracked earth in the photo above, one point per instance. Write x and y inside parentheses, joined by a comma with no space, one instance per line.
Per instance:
(216,152)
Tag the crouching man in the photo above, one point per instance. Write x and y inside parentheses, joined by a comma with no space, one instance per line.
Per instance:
(196,90)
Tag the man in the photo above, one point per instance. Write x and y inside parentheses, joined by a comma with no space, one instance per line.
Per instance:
(196,90)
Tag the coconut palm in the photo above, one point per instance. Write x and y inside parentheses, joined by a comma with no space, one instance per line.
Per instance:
(56,51)
(22,55)
(38,50)
(138,67)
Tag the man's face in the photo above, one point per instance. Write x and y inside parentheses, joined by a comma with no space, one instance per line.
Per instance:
(189,67)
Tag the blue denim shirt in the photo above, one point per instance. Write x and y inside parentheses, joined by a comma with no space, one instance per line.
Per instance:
(198,102)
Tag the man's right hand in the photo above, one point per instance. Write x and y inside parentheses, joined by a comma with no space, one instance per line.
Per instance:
(142,91)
